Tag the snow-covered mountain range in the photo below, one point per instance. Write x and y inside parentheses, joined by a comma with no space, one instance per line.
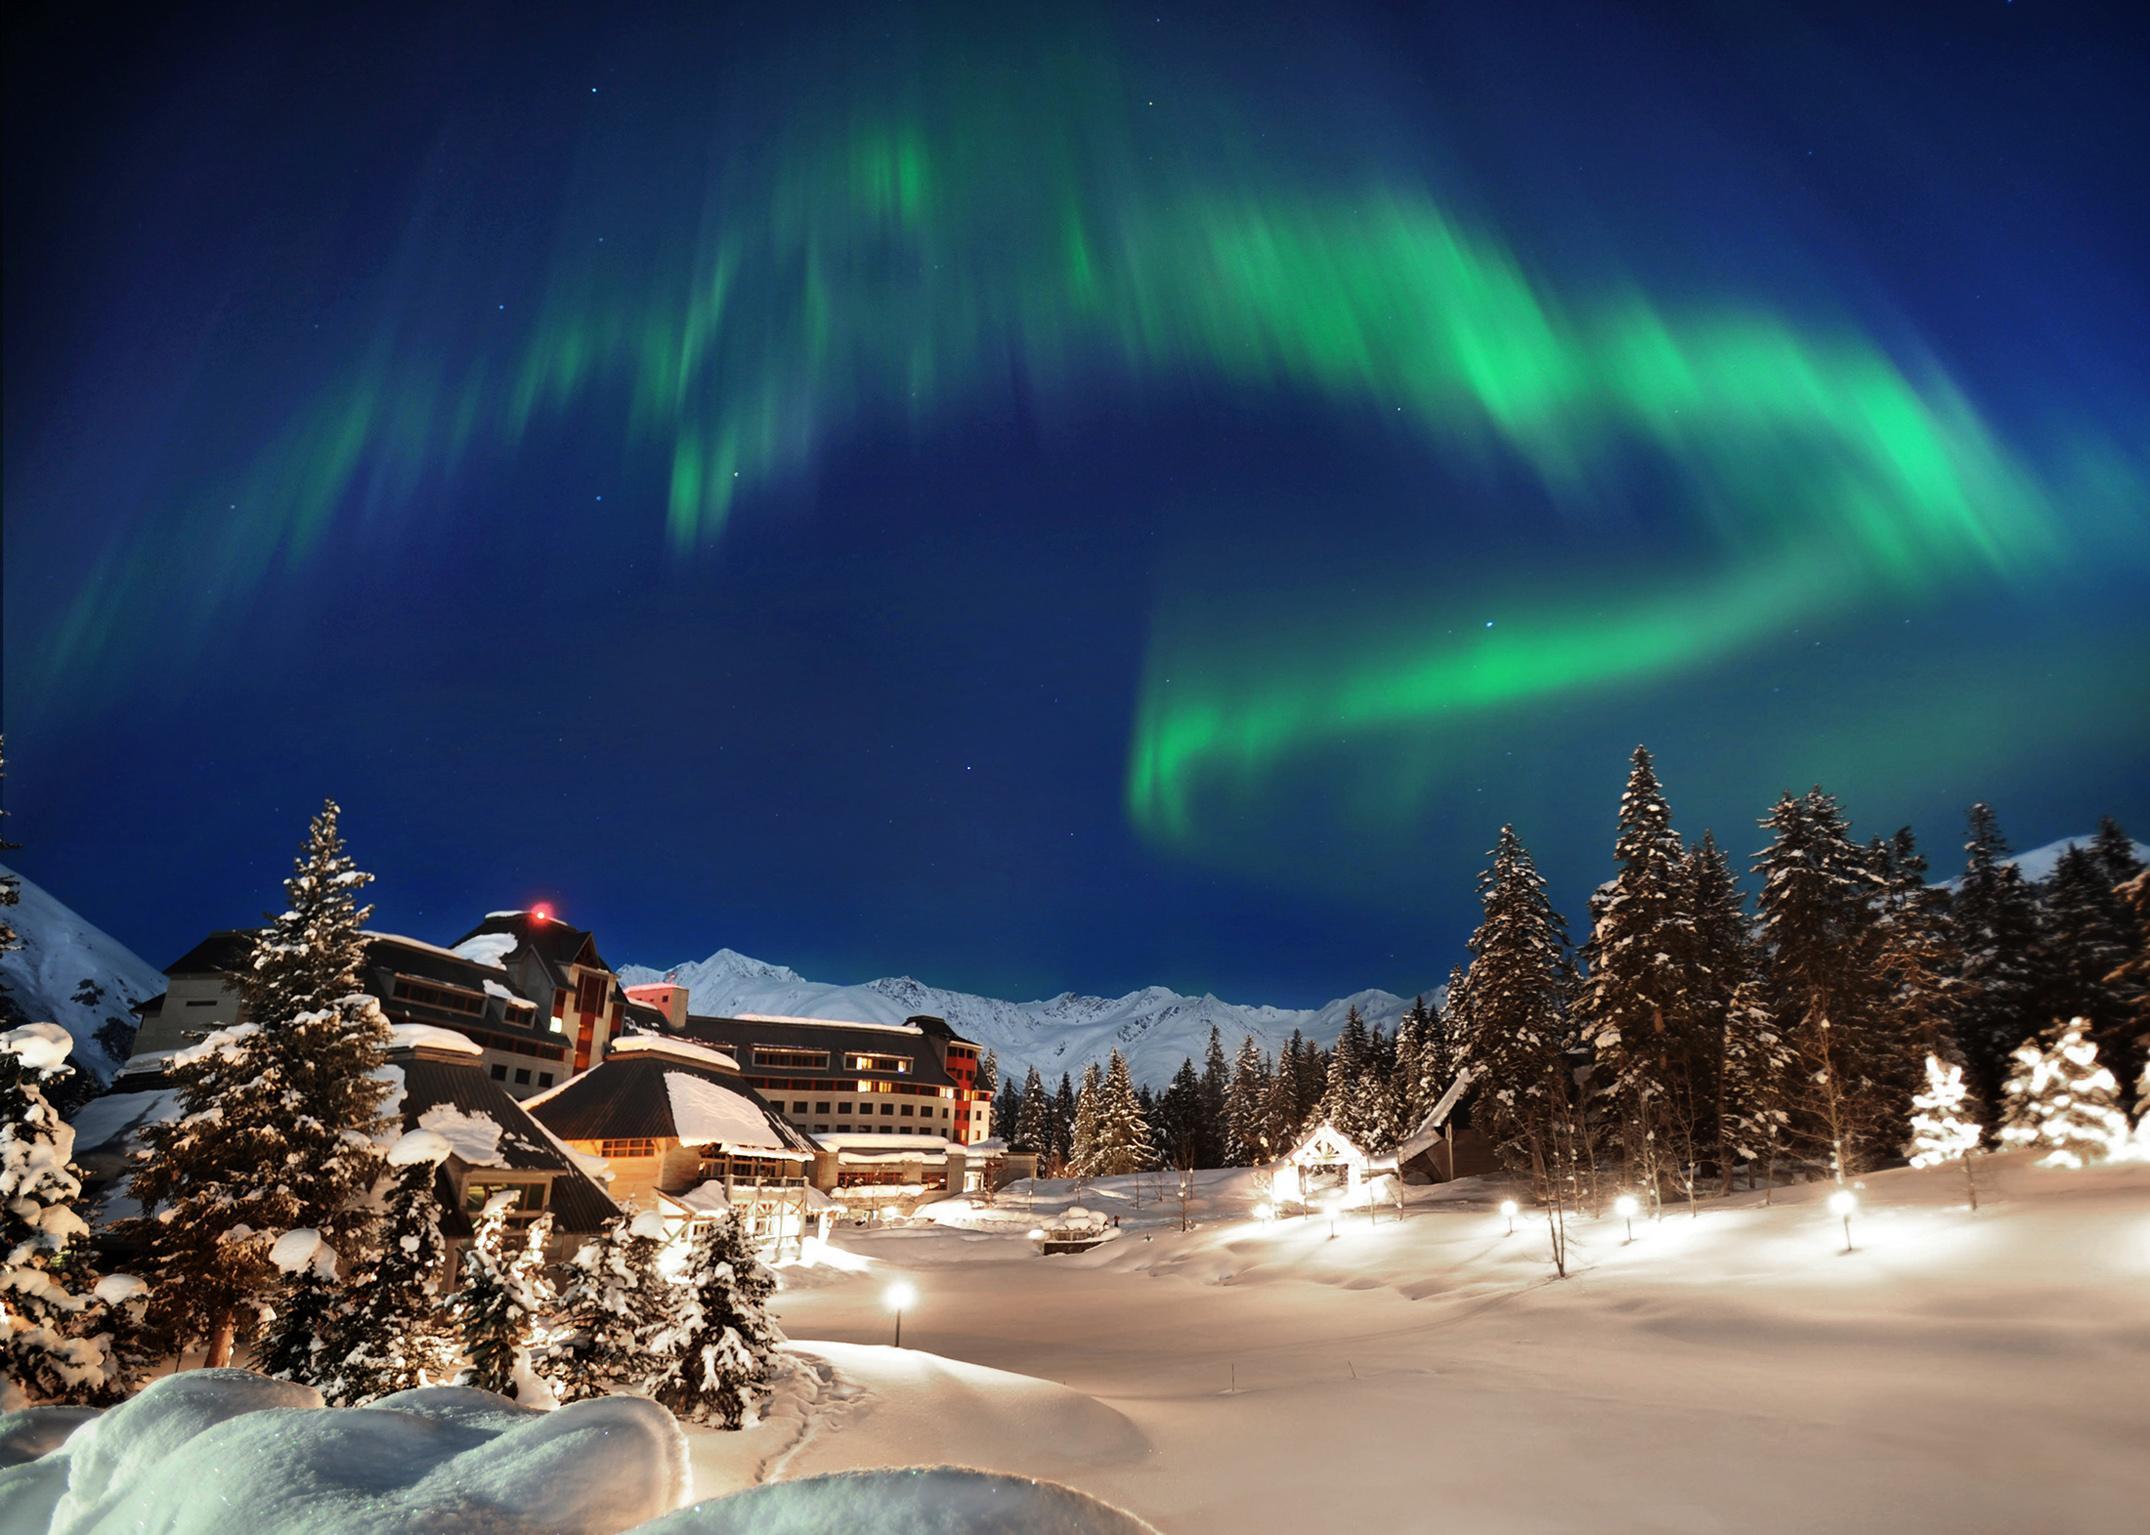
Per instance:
(73,974)
(1155,1028)
(2036,866)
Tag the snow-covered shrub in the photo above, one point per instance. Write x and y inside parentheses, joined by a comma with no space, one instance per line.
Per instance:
(612,1311)
(1940,1133)
(498,1309)
(716,1356)
(56,1321)
(391,1338)
(2060,1099)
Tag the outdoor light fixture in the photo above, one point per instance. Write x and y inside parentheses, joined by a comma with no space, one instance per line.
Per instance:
(1334,1205)
(1625,1207)
(1263,1212)
(1841,1204)
(1508,1211)
(900,1296)
(1037,1233)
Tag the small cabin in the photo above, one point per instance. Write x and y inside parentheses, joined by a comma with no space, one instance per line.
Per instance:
(1327,1164)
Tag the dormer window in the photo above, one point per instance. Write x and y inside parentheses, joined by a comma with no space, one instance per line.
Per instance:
(860,1061)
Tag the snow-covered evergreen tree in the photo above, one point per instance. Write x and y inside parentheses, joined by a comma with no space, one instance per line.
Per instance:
(497,1312)
(1033,1127)
(989,1074)
(1996,915)
(716,1357)
(1213,1129)
(2087,935)
(1940,1132)
(612,1311)
(1343,1095)
(1760,1085)
(1120,1133)
(1082,1144)
(1516,1032)
(1064,1122)
(1635,1009)
(279,1115)
(1246,1108)
(51,1346)
(1820,925)
(2062,1101)
(299,1333)
(391,1338)
(1178,1123)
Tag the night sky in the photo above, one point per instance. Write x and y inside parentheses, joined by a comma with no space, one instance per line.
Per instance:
(1131,497)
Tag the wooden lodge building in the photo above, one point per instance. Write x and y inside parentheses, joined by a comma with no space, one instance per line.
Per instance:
(682,1134)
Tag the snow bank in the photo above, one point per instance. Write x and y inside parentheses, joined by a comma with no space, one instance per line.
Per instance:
(214,1452)
(940,1501)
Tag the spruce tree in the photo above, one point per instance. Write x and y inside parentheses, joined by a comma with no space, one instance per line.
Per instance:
(1213,1127)
(1920,968)
(1033,1127)
(1342,1102)
(1121,1140)
(1082,1141)
(1819,924)
(496,1313)
(1247,1109)
(51,1346)
(612,1311)
(1179,1119)
(2087,934)
(2062,1101)
(1280,1105)
(1760,1087)
(1516,1028)
(716,1356)
(1636,1012)
(1940,1132)
(392,1338)
(2116,851)
(279,1115)
(1064,1121)
(1721,960)
(988,1081)
(1996,915)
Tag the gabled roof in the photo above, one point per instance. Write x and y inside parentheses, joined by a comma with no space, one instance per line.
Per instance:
(556,944)
(629,1097)
(578,1205)
(1328,1131)
(224,950)
(738,1036)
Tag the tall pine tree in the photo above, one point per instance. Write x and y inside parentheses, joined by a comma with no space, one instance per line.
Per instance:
(1997,929)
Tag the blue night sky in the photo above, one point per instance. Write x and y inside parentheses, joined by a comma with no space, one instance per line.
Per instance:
(1132,497)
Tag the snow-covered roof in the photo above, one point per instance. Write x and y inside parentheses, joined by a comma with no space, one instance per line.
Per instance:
(674,1047)
(708,1113)
(487,948)
(832,1023)
(882,1146)
(703,1199)
(427,1036)
(1429,1128)
(472,1136)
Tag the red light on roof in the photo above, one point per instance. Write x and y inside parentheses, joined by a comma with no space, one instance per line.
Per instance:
(542,912)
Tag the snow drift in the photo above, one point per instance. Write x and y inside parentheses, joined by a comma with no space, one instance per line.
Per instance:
(938,1501)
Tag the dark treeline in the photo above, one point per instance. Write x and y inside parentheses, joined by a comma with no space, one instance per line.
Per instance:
(1691,1040)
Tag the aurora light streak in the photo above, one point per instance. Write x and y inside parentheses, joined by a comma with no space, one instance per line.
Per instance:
(758,249)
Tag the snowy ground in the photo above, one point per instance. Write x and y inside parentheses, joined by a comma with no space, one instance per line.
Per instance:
(1957,1371)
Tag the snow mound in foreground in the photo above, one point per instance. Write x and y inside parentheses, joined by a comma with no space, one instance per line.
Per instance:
(210,1452)
(938,1501)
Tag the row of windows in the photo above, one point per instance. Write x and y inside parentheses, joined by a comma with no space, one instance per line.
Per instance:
(510,1045)
(900,1064)
(890,1110)
(635,1146)
(522,1075)
(883,1129)
(792,1057)
(449,999)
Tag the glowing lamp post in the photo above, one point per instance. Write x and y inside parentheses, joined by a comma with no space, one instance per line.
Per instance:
(1334,1204)
(1841,1204)
(1625,1207)
(1508,1214)
(1263,1212)
(899,1298)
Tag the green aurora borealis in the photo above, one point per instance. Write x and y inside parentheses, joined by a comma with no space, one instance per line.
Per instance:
(838,248)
